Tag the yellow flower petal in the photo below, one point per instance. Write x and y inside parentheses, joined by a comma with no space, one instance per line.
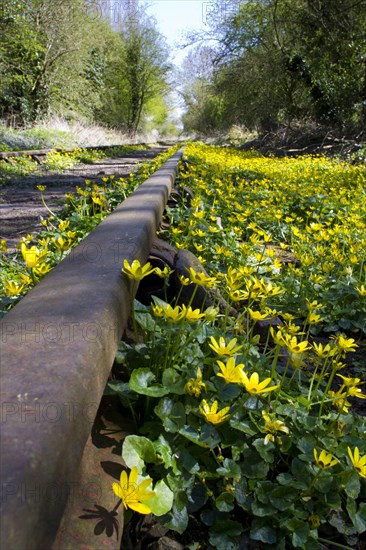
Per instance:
(117,489)
(139,507)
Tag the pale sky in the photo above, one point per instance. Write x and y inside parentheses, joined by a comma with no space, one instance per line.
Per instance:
(175,16)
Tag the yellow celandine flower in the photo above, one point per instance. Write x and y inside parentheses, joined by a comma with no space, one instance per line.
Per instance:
(322,351)
(27,238)
(253,291)
(313,318)
(25,278)
(234,278)
(344,344)
(296,350)
(294,346)
(97,187)
(324,460)
(337,365)
(71,235)
(273,426)
(61,243)
(306,260)
(3,247)
(295,230)
(64,224)
(191,315)
(211,313)
(41,188)
(44,242)
(163,273)
(259,256)
(196,202)
(231,372)
(254,238)
(314,227)
(340,400)
(252,226)
(199,233)
(314,304)
(184,280)
(98,199)
(201,279)
(256,315)
(133,495)
(237,230)
(351,384)
(288,317)
(32,256)
(42,269)
(223,251)
(172,315)
(246,270)
(316,279)
(271,312)
(13,288)
(361,290)
(222,349)
(277,264)
(277,337)
(356,392)
(135,271)
(359,462)
(158,311)
(194,386)
(254,387)
(211,414)
(290,329)
(238,295)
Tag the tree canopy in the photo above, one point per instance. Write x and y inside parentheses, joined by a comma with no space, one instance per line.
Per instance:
(137,74)
(68,58)
(277,61)
(260,64)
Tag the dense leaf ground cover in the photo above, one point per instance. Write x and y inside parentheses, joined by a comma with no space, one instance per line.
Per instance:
(310,209)
(254,438)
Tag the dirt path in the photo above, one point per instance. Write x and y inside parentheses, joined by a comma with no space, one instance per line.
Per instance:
(21,208)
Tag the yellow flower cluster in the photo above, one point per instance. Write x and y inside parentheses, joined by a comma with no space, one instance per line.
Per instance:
(38,258)
(276,221)
(325,460)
